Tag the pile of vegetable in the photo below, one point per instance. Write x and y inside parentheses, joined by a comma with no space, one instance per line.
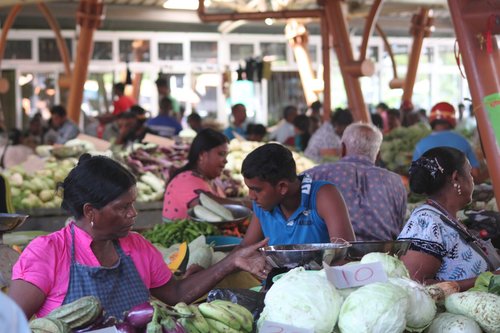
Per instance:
(38,189)
(306,299)
(238,150)
(168,234)
(397,148)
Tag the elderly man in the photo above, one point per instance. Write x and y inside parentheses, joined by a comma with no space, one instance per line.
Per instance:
(375,197)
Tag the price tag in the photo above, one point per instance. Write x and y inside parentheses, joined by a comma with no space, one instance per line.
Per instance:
(272,327)
(349,276)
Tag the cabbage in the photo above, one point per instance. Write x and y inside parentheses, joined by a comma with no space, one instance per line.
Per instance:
(422,307)
(303,299)
(375,308)
(393,267)
(200,253)
(453,323)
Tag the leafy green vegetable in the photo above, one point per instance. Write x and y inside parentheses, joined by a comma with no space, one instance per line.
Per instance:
(494,286)
(422,307)
(303,299)
(393,267)
(376,307)
(482,282)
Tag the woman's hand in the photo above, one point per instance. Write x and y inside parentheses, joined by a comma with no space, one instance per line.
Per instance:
(249,259)
(194,286)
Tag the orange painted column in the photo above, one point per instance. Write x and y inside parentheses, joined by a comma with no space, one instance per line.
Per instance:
(350,69)
(89,17)
(421,28)
(470,19)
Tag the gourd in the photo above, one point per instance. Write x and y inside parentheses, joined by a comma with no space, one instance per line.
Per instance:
(453,323)
(481,306)
(48,325)
(216,207)
(79,313)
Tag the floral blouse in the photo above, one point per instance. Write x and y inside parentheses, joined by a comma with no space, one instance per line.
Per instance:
(429,234)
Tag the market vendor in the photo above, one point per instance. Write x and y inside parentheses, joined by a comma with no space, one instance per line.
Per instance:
(206,161)
(443,120)
(291,209)
(441,246)
(98,255)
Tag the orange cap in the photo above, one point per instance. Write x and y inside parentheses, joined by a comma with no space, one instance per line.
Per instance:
(443,111)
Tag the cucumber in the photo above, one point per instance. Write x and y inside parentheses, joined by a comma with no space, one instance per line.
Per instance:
(216,207)
(206,214)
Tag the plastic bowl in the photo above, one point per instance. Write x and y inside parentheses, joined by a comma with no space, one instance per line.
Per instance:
(10,222)
(311,256)
(223,243)
(359,248)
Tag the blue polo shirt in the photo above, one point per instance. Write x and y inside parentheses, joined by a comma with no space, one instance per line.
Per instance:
(446,139)
(304,225)
(229,132)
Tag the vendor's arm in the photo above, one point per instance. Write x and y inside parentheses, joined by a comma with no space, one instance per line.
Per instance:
(423,268)
(196,285)
(254,232)
(332,208)
(29,297)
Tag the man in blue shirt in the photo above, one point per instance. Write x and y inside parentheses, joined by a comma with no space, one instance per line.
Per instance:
(289,209)
(443,120)
(164,124)
(239,113)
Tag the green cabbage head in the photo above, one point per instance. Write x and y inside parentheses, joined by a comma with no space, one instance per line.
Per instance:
(379,307)
(422,308)
(393,267)
(303,299)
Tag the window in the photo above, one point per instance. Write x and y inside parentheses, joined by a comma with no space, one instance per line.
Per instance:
(134,50)
(446,56)
(276,51)
(241,51)
(48,51)
(313,52)
(103,51)
(170,51)
(18,49)
(204,52)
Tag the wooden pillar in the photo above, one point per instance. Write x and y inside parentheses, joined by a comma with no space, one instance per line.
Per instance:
(61,44)
(421,28)
(89,17)
(350,69)
(298,39)
(470,19)
(327,90)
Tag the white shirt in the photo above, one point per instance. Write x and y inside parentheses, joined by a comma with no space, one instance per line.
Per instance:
(283,132)
(12,318)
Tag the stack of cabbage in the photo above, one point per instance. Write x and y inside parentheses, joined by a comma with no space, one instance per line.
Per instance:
(306,299)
